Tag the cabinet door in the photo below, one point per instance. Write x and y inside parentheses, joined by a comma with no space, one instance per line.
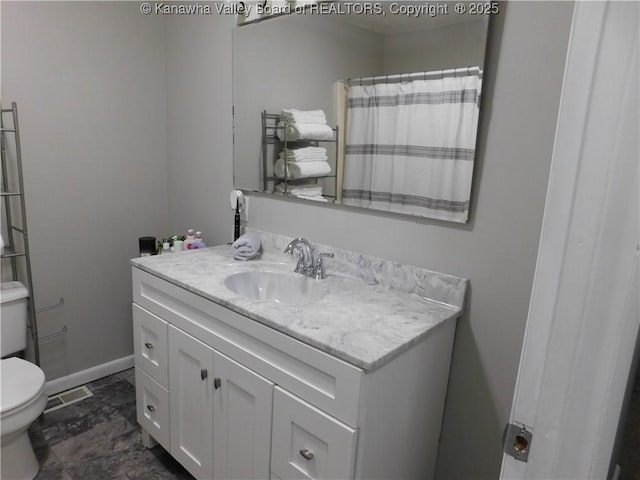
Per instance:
(191,402)
(241,421)
(308,443)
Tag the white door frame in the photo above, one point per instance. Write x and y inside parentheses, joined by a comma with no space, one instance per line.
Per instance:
(584,313)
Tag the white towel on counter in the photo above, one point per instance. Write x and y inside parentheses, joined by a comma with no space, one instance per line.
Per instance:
(304,131)
(306,189)
(301,169)
(247,246)
(293,115)
(306,154)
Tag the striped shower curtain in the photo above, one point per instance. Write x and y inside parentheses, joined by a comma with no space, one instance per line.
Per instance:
(411,145)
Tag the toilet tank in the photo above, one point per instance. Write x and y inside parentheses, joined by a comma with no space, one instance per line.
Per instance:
(13,318)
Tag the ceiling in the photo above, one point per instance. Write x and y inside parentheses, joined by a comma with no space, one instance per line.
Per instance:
(406,16)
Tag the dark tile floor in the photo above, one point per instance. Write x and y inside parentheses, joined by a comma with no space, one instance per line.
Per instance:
(99,438)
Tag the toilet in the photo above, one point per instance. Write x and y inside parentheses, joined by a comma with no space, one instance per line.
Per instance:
(22,394)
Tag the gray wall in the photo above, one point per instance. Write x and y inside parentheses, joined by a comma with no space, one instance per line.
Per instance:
(89,82)
(199,148)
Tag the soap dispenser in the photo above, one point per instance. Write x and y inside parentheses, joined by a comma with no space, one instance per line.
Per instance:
(198,242)
(191,237)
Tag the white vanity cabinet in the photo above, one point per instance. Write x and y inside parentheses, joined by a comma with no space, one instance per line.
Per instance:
(205,385)
(230,397)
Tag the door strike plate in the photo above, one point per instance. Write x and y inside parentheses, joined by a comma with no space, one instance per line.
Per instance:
(517,441)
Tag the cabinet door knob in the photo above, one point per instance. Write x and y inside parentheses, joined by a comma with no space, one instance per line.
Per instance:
(149,345)
(204,373)
(151,408)
(306,454)
(217,383)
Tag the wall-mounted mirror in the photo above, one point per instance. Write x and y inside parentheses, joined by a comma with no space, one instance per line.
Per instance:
(375,110)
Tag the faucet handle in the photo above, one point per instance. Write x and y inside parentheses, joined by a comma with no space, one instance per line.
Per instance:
(318,269)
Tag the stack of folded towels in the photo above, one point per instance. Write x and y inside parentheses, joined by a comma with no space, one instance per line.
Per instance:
(304,125)
(247,246)
(308,191)
(302,163)
(305,154)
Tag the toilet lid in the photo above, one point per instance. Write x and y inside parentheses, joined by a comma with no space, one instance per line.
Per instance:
(20,381)
(12,291)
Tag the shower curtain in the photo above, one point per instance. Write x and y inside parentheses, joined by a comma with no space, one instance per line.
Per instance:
(410,146)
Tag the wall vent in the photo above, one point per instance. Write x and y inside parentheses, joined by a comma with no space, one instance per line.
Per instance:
(67,398)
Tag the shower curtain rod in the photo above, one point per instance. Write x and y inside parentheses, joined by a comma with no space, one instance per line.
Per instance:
(451,72)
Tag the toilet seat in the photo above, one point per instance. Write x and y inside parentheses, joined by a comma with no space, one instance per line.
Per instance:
(22,384)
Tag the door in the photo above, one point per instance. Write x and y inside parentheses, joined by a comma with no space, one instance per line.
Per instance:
(584,313)
(242,421)
(191,402)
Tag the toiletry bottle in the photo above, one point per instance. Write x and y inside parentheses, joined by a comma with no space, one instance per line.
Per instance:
(198,242)
(190,239)
(236,222)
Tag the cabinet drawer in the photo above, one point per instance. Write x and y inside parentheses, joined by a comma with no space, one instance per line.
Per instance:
(152,408)
(307,443)
(150,345)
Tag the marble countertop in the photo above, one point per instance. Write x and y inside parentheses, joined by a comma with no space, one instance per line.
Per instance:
(362,320)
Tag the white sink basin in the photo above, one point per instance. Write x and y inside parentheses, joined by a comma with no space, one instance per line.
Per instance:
(289,288)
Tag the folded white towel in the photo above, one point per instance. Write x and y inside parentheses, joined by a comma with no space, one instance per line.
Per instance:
(306,154)
(247,246)
(316,198)
(314,158)
(307,151)
(304,131)
(308,190)
(293,115)
(301,169)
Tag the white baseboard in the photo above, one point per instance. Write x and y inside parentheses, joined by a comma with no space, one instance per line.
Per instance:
(61,384)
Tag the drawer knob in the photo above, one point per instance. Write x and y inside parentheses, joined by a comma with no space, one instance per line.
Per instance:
(149,345)
(306,454)
(217,383)
(204,373)
(151,408)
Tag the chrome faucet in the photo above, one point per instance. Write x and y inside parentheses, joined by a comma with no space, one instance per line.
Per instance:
(305,255)
(308,263)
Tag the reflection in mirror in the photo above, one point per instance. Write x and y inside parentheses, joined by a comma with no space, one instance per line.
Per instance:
(373,111)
